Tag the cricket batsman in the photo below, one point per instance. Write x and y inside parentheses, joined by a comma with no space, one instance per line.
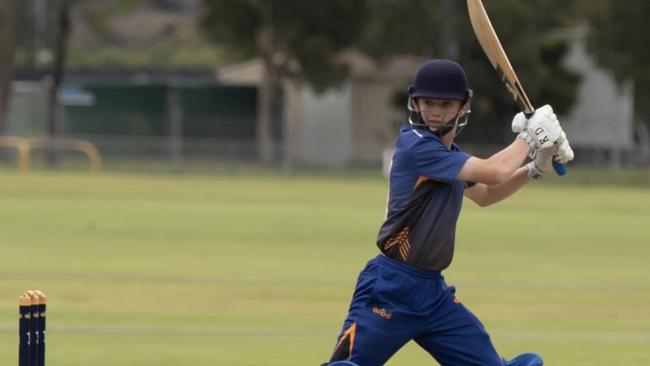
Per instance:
(401,295)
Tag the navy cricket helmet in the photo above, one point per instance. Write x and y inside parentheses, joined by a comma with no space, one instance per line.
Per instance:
(440,79)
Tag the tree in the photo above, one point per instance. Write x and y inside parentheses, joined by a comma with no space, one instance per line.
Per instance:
(11,15)
(442,29)
(58,68)
(298,39)
(619,40)
(27,27)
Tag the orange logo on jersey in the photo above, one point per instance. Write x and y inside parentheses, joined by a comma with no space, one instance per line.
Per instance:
(382,313)
(401,240)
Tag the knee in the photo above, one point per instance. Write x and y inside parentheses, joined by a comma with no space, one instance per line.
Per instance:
(526,359)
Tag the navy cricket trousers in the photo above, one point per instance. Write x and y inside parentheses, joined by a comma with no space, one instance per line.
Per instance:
(394,303)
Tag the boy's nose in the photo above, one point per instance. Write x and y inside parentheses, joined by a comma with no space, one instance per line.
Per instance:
(436,115)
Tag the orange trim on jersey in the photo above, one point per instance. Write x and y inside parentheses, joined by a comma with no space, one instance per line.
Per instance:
(402,242)
(353,330)
(421,179)
(349,333)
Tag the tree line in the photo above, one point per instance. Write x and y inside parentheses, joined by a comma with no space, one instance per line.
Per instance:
(301,40)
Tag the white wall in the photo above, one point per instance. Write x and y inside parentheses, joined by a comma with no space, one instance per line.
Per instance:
(603,115)
(326,131)
(27,110)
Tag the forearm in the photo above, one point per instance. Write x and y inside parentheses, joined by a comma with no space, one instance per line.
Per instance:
(512,156)
(498,192)
(498,168)
(540,132)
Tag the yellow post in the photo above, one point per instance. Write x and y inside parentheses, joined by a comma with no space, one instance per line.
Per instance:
(24,156)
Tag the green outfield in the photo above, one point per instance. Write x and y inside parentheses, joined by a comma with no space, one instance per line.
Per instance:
(255,271)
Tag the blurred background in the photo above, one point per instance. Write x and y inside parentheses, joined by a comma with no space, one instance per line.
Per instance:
(202,85)
(240,147)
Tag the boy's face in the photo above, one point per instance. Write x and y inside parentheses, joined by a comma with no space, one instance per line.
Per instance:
(436,112)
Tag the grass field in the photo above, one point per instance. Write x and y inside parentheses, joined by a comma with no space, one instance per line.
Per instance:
(243,271)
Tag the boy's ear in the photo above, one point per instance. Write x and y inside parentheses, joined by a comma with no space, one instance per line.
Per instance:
(414,104)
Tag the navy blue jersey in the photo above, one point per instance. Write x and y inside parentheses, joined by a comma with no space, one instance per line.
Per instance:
(424,201)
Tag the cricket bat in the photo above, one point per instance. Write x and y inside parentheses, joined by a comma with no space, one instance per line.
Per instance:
(489,41)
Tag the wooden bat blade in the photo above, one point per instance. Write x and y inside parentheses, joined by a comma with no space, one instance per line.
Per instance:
(491,45)
(489,41)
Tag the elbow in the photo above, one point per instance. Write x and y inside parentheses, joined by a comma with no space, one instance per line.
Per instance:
(483,202)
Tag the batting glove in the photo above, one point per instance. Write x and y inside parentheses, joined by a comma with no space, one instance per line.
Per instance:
(542,130)
(519,122)
(543,162)
(564,152)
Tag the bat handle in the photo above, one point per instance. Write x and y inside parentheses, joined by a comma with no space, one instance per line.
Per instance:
(560,169)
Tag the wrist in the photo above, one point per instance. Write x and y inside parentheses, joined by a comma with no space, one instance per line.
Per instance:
(533,171)
(528,139)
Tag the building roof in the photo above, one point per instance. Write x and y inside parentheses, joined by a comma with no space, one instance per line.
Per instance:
(361,66)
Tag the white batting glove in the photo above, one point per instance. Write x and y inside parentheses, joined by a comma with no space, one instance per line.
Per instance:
(543,129)
(519,122)
(564,152)
(543,162)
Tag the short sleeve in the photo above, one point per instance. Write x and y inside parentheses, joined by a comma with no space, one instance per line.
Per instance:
(435,161)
